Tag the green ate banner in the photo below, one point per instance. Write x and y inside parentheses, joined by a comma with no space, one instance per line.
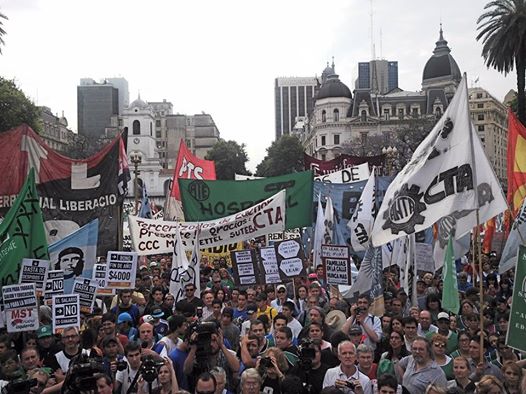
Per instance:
(517,324)
(207,200)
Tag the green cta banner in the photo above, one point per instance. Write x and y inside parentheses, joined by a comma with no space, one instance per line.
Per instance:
(207,200)
(517,324)
(22,233)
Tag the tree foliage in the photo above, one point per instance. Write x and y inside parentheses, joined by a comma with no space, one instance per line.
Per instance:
(502,29)
(229,157)
(405,138)
(283,157)
(16,108)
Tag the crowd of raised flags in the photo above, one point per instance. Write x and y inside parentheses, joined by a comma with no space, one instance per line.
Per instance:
(413,272)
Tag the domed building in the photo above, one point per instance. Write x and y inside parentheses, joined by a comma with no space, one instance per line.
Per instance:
(340,117)
(329,123)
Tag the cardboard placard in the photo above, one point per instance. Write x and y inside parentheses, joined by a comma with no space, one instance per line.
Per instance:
(21,309)
(336,264)
(66,312)
(245,267)
(86,289)
(424,258)
(34,271)
(54,285)
(269,263)
(99,275)
(290,258)
(121,271)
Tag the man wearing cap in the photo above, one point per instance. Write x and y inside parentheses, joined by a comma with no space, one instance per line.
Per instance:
(113,352)
(160,326)
(46,342)
(443,329)
(281,291)
(125,326)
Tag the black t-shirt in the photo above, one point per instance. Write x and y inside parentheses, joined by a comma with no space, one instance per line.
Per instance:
(329,358)
(312,377)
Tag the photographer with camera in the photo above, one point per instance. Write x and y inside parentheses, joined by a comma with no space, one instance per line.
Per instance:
(346,376)
(310,368)
(113,358)
(272,368)
(125,377)
(208,350)
(371,325)
(167,381)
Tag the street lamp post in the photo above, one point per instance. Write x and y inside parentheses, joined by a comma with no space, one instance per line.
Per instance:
(136,159)
(390,152)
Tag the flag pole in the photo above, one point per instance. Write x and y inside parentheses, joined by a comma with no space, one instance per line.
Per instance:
(477,232)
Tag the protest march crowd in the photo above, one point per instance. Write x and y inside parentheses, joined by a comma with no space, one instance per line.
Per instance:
(283,317)
(300,337)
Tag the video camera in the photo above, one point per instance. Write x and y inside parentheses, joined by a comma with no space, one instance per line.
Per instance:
(19,386)
(82,374)
(203,342)
(150,368)
(306,353)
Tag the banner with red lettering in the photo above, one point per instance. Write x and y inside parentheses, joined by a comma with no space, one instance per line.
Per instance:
(321,167)
(72,192)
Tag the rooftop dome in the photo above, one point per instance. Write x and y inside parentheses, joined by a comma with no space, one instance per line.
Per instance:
(138,103)
(329,70)
(333,87)
(441,64)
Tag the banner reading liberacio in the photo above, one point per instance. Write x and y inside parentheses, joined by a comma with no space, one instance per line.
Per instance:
(151,236)
(72,192)
(206,200)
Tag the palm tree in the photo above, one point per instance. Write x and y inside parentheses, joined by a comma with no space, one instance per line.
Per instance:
(2,31)
(502,29)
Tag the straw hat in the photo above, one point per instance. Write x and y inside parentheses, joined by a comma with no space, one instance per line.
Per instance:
(335,319)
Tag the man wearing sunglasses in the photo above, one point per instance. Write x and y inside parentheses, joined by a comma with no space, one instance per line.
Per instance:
(281,298)
(189,292)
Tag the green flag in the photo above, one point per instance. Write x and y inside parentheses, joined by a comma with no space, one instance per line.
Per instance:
(450,299)
(22,232)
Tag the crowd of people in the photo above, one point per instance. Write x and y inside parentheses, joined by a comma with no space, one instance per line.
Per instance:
(300,337)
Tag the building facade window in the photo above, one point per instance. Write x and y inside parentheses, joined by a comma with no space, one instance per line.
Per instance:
(481,127)
(480,117)
(322,140)
(323,116)
(480,105)
(336,139)
(136,127)
(363,115)
(336,115)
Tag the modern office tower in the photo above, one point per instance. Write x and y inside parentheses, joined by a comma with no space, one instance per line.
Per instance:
(379,76)
(294,100)
(124,96)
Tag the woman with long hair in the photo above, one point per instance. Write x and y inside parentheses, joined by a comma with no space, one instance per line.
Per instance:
(272,368)
(434,306)
(512,377)
(396,352)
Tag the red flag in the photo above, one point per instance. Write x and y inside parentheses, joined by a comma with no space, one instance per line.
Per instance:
(516,162)
(189,166)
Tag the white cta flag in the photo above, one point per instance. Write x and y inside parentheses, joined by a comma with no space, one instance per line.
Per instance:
(184,272)
(516,238)
(319,230)
(440,179)
(361,223)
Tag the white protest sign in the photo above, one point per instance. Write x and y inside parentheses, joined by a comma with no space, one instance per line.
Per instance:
(20,305)
(99,275)
(66,312)
(157,236)
(293,233)
(122,270)
(34,271)
(352,174)
(270,264)
(336,264)
(54,285)
(424,257)
(86,289)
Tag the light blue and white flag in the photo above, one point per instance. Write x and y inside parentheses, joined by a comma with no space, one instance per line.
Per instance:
(516,238)
(75,254)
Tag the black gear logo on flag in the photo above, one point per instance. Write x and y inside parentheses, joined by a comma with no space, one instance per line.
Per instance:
(405,210)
